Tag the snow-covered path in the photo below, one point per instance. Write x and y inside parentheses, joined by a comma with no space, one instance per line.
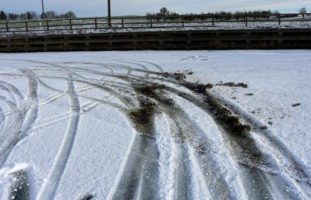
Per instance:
(127,126)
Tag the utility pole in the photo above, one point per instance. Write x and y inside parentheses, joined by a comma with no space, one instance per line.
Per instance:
(43,12)
(109,13)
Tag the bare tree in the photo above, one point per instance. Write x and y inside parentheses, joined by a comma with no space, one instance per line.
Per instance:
(32,15)
(164,12)
(69,15)
(303,12)
(3,15)
(50,14)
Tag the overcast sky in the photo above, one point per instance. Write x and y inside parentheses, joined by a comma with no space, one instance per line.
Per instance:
(85,8)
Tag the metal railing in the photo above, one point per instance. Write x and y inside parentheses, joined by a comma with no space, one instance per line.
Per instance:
(148,22)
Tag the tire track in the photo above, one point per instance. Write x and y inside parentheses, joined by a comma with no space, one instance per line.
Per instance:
(49,187)
(251,157)
(20,122)
(2,120)
(191,141)
(300,171)
(138,179)
(176,162)
(13,90)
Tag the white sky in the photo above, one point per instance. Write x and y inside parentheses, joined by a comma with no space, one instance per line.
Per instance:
(138,7)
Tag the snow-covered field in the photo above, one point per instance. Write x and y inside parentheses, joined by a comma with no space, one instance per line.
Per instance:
(155,125)
(156,27)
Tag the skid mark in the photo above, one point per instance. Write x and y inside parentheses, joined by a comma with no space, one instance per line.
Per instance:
(31,103)
(2,120)
(291,163)
(12,89)
(49,188)
(192,142)
(20,122)
(176,162)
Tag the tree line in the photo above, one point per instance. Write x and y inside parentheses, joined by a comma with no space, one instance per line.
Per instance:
(223,15)
(31,15)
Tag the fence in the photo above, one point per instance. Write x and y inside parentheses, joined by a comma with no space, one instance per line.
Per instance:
(162,40)
(143,22)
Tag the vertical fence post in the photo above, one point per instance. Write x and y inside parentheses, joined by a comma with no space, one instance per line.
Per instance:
(279,19)
(70,23)
(26,26)
(183,21)
(47,25)
(122,22)
(7,26)
(96,23)
(150,22)
(246,22)
(213,21)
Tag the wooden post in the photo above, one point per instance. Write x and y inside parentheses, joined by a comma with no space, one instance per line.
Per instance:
(96,23)
(43,12)
(70,23)
(47,25)
(109,14)
(183,21)
(279,19)
(7,26)
(26,26)
(122,22)
(150,22)
(246,21)
(213,21)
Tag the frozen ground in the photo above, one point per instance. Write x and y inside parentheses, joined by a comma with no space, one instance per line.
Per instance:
(156,27)
(155,125)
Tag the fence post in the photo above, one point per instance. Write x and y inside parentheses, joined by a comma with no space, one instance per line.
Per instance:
(150,22)
(47,25)
(183,21)
(213,21)
(246,22)
(122,22)
(7,26)
(70,24)
(96,23)
(26,26)
(279,19)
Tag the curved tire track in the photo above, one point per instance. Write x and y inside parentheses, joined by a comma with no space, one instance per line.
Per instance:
(183,154)
(49,188)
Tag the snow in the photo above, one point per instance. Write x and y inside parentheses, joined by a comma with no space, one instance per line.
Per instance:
(65,120)
(159,27)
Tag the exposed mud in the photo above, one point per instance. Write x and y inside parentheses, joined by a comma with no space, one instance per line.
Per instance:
(20,186)
(87,197)
(296,104)
(143,116)
(174,154)
(232,84)
(222,114)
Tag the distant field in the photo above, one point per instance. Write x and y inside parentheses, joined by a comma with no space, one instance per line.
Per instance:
(143,23)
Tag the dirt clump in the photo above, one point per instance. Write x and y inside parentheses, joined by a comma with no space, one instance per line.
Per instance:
(87,197)
(230,122)
(143,117)
(176,75)
(198,87)
(232,84)
(264,128)
(296,104)
(221,114)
